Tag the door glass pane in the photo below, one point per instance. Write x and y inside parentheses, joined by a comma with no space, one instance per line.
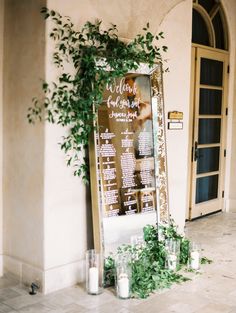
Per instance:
(211,72)
(207,188)
(219,31)
(209,130)
(210,101)
(199,29)
(208,160)
(208,5)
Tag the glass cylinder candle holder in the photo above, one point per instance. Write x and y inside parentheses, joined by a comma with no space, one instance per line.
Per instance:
(137,241)
(123,277)
(195,256)
(161,235)
(94,272)
(172,253)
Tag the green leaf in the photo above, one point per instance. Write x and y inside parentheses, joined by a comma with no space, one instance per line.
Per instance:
(205,260)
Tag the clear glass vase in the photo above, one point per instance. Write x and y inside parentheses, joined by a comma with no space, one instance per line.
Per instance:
(94,272)
(194,256)
(172,253)
(123,277)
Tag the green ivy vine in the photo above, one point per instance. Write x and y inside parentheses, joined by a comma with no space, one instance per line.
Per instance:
(73,99)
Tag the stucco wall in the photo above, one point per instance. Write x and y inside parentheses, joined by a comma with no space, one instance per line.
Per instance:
(65,214)
(177,29)
(1,129)
(23,144)
(230,177)
(130,16)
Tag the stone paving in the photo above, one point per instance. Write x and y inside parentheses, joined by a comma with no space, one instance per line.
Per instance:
(211,291)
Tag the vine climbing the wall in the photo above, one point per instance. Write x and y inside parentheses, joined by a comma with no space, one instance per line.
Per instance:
(96,56)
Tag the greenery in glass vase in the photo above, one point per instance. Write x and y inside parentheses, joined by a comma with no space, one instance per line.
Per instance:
(96,56)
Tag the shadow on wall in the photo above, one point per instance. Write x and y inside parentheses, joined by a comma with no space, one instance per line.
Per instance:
(23,145)
(89,221)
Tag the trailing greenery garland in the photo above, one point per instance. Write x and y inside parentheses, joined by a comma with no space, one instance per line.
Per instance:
(148,265)
(72,100)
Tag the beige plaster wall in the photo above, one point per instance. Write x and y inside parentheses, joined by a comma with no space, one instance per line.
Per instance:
(230,181)
(130,16)
(67,226)
(1,128)
(177,29)
(23,144)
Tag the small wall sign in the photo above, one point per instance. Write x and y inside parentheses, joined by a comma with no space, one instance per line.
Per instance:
(175,125)
(175,118)
(175,115)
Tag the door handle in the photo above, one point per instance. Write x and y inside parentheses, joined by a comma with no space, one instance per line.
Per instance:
(196,151)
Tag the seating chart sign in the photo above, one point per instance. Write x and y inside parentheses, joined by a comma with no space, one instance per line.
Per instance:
(128,156)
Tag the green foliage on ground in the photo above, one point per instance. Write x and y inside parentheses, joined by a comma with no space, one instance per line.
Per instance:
(148,261)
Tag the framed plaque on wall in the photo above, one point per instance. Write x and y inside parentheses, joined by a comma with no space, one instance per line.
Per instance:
(128,159)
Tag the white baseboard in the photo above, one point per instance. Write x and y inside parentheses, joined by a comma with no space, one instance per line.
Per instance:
(25,273)
(12,266)
(64,276)
(49,280)
(231,205)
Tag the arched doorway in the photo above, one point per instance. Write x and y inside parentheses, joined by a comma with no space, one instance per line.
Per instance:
(209,107)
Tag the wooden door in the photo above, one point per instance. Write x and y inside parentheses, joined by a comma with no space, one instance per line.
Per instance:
(209,121)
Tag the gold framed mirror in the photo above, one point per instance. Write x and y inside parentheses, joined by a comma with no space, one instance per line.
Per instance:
(128,168)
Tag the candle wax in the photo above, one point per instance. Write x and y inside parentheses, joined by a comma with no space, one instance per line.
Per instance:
(93,280)
(195,260)
(123,286)
(172,262)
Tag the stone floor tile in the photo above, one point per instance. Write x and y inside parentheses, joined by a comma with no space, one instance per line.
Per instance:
(74,308)
(112,307)
(36,308)
(5,308)
(157,303)
(181,307)
(8,293)
(215,308)
(6,282)
(58,300)
(75,291)
(20,289)
(23,301)
(92,301)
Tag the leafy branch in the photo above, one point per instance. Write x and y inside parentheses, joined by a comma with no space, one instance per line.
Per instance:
(73,99)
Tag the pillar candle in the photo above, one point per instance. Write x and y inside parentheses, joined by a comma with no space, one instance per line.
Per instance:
(123,286)
(172,262)
(93,280)
(195,260)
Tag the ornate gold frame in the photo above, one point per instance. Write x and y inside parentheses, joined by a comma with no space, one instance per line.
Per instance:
(159,140)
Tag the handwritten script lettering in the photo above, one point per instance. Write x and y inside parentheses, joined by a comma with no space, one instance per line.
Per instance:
(122,103)
(122,95)
(128,115)
(121,87)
